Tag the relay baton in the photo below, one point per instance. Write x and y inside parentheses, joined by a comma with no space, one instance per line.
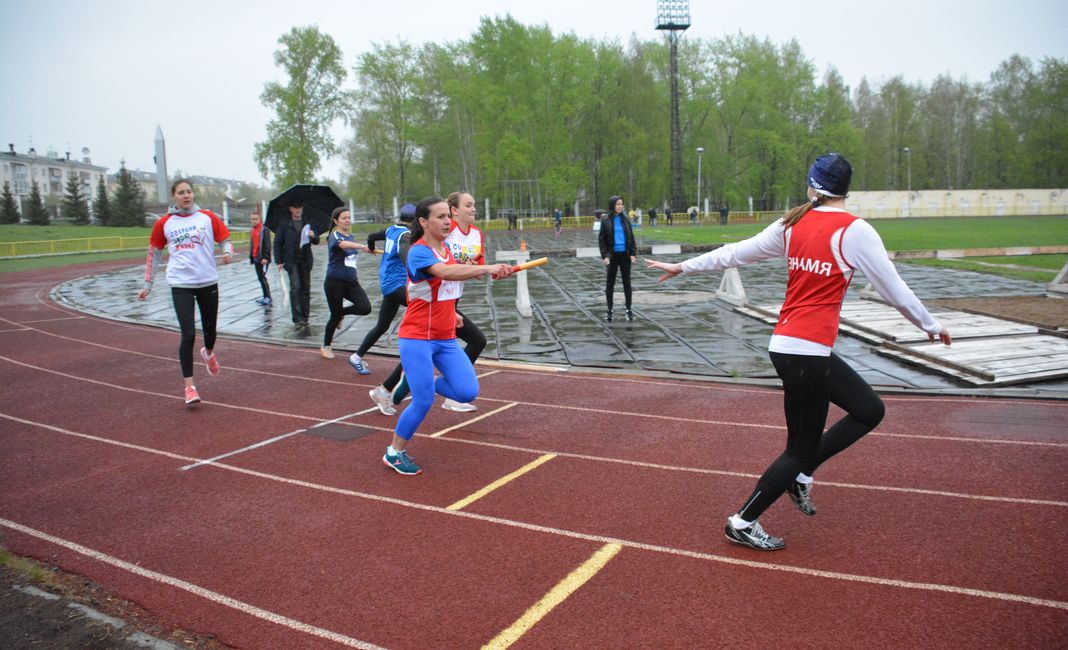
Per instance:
(529,265)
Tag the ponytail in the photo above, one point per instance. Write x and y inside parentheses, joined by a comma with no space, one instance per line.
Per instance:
(795,213)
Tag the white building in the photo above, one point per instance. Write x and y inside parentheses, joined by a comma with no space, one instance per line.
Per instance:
(51,172)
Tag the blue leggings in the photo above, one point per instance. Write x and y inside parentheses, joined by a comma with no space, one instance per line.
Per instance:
(457,380)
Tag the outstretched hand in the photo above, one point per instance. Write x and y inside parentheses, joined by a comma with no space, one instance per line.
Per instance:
(942,336)
(500,271)
(670,270)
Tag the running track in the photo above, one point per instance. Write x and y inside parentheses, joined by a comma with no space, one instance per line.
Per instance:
(571,510)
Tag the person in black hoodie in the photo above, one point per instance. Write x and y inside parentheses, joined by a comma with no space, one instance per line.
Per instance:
(616,240)
(292,253)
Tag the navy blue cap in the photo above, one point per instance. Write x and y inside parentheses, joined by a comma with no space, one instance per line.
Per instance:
(407,212)
(830,175)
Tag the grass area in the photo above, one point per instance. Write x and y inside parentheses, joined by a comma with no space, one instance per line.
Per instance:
(906,234)
(28,568)
(1033,268)
(53,261)
(9,233)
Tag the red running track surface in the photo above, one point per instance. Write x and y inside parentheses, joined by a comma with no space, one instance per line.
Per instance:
(944,528)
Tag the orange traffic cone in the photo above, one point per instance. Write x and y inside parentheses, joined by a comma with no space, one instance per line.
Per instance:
(522,244)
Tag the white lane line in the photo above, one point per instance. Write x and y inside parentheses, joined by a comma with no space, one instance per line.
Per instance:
(583,409)
(196,590)
(264,443)
(713,384)
(465,423)
(155,394)
(656,548)
(656,466)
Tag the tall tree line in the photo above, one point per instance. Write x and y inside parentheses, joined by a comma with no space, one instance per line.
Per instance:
(590,118)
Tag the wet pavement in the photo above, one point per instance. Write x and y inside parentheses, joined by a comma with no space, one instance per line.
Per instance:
(679,327)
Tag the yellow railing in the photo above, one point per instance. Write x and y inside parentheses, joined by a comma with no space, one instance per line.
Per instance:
(87,245)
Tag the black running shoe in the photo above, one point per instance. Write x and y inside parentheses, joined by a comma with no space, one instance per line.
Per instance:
(801,493)
(753,537)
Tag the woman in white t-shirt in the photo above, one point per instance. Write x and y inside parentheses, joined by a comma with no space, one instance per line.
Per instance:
(823,245)
(190,234)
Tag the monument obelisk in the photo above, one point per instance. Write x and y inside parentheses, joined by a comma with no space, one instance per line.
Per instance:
(161,167)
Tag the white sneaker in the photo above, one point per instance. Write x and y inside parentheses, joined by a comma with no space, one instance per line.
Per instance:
(382,400)
(459,407)
(326,352)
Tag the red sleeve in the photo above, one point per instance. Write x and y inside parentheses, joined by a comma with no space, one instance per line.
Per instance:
(218,228)
(157,239)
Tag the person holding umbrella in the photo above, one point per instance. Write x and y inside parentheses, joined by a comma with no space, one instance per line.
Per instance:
(427,337)
(292,252)
(190,234)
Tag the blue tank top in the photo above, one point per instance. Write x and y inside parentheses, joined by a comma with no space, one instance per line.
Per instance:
(391,272)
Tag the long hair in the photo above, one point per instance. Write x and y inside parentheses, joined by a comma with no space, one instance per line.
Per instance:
(334,217)
(796,212)
(422,211)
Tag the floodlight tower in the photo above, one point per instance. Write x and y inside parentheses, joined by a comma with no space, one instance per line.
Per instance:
(673,16)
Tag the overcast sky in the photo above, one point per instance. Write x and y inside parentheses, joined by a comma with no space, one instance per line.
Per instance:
(103,74)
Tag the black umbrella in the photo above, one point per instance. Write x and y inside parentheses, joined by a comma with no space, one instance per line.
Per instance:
(319,202)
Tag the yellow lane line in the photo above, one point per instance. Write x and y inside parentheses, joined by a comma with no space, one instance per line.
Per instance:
(462,503)
(473,420)
(557,595)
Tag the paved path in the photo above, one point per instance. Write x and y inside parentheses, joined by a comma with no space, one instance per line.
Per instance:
(680,327)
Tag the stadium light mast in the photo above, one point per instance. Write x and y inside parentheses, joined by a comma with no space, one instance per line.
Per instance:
(673,16)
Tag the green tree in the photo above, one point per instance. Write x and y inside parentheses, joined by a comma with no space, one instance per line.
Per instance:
(73,207)
(37,214)
(128,206)
(102,205)
(9,211)
(390,90)
(305,107)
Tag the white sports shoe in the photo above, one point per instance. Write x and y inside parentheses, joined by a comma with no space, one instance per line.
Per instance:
(382,400)
(459,407)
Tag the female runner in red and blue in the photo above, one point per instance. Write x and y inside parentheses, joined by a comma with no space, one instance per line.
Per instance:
(427,335)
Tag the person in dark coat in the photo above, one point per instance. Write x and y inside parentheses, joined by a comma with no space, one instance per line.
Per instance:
(293,254)
(616,241)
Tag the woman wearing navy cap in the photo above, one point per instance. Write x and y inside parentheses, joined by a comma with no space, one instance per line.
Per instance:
(823,245)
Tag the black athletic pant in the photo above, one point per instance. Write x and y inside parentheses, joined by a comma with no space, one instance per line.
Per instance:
(474,343)
(207,299)
(391,302)
(809,385)
(299,292)
(337,291)
(261,275)
(620,261)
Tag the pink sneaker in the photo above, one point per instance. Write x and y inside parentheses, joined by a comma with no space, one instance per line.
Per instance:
(191,396)
(211,361)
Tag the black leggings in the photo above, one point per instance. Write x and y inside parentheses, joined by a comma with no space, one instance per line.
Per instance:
(261,275)
(470,334)
(207,299)
(619,261)
(391,302)
(337,291)
(810,384)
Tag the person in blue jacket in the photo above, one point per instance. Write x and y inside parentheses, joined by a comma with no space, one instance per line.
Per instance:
(616,241)
(392,280)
